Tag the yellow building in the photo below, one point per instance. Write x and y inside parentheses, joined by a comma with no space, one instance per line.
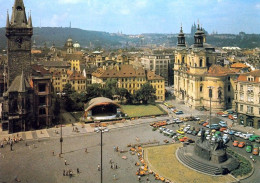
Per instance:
(75,65)
(77,81)
(130,78)
(247,99)
(61,78)
(195,72)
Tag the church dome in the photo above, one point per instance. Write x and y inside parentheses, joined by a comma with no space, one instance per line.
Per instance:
(76,45)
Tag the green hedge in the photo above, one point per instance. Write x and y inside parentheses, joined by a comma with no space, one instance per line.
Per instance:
(245,166)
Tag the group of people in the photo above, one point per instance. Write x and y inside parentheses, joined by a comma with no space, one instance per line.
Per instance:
(10,141)
(75,129)
(69,172)
(112,164)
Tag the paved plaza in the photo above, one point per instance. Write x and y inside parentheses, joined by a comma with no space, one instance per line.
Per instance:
(36,162)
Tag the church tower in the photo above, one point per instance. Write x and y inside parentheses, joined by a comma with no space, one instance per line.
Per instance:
(19,31)
(181,39)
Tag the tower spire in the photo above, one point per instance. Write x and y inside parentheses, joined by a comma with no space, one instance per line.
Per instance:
(7,20)
(30,20)
(19,15)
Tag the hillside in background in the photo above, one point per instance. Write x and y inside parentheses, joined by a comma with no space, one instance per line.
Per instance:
(98,39)
(59,36)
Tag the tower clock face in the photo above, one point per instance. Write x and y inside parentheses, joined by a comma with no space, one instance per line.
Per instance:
(19,42)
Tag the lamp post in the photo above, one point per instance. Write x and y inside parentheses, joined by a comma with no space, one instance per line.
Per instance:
(210,98)
(101,157)
(61,138)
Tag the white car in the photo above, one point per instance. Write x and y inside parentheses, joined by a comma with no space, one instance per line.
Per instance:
(242,135)
(208,137)
(246,136)
(186,129)
(199,134)
(206,132)
(225,138)
(235,116)
(238,134)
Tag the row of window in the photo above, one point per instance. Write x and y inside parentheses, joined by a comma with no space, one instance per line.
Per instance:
(250,109)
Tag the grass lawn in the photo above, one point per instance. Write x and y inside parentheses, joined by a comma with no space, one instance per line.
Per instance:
(162,160)
(142,110)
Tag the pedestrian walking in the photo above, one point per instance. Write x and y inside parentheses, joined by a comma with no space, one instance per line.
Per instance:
(114,149)
(114,177)
(64,172)
(110,161)
(86,150)
(78,171)
(11,146)
(111,166)
(139,178)
(65,161)
(53,153)
(98,167)
(116,166)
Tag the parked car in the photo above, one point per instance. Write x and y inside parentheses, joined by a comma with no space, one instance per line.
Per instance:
(235,143)
(180,131)
(253,137)
(222,124)
(214,126)
(179,112)
(195,132)
(205,124)
(223,129)
(241,144)
(208,137)
(225,138)
(255,150)
(196,118)
(235,116)
(249,148)
(238,134)
(189,131)
(247,136)
(224,115)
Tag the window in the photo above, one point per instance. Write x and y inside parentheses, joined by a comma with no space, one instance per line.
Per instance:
(201,88)
(200,62)
(42,87)
(42,100)
(258,110)
(42,111)
(250,109)
(242,96)
(241,108)
(229,100)
(229,88)
(241,87)
(228,78)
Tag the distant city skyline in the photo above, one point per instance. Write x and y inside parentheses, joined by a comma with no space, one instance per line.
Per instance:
(143,16)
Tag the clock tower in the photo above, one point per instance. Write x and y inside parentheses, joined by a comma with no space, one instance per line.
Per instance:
(19,31)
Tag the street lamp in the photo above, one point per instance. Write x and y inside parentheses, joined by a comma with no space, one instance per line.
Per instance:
(101,157)
(61,138)
(210,98)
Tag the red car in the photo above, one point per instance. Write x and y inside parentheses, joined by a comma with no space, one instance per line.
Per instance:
(205,124)
(235,143)
(241,144)
(223,129)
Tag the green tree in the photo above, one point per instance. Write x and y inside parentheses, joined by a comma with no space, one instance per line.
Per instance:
(93,91)
(122,93)
(145,94)
(68,89)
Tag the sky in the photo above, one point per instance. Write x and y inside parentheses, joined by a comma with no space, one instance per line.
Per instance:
(143,16)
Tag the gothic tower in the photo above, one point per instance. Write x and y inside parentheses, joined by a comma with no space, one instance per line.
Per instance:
(19,31)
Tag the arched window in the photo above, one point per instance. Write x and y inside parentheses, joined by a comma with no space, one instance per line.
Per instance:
(201,88)
(200,62)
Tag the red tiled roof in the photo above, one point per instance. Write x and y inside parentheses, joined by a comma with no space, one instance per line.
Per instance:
(238,65)
(255,74)
(152,76)
(217,70)
(76,76)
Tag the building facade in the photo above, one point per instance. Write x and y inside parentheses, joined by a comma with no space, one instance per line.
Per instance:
(131,78)
(158,63)
(247,99)
(196,72)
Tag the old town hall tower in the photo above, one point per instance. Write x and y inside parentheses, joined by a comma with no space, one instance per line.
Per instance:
(19,31)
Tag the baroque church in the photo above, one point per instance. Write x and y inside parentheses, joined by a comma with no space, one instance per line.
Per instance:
(27,98)
(198,80)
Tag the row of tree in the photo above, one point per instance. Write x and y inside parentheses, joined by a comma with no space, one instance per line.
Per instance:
(74,101)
